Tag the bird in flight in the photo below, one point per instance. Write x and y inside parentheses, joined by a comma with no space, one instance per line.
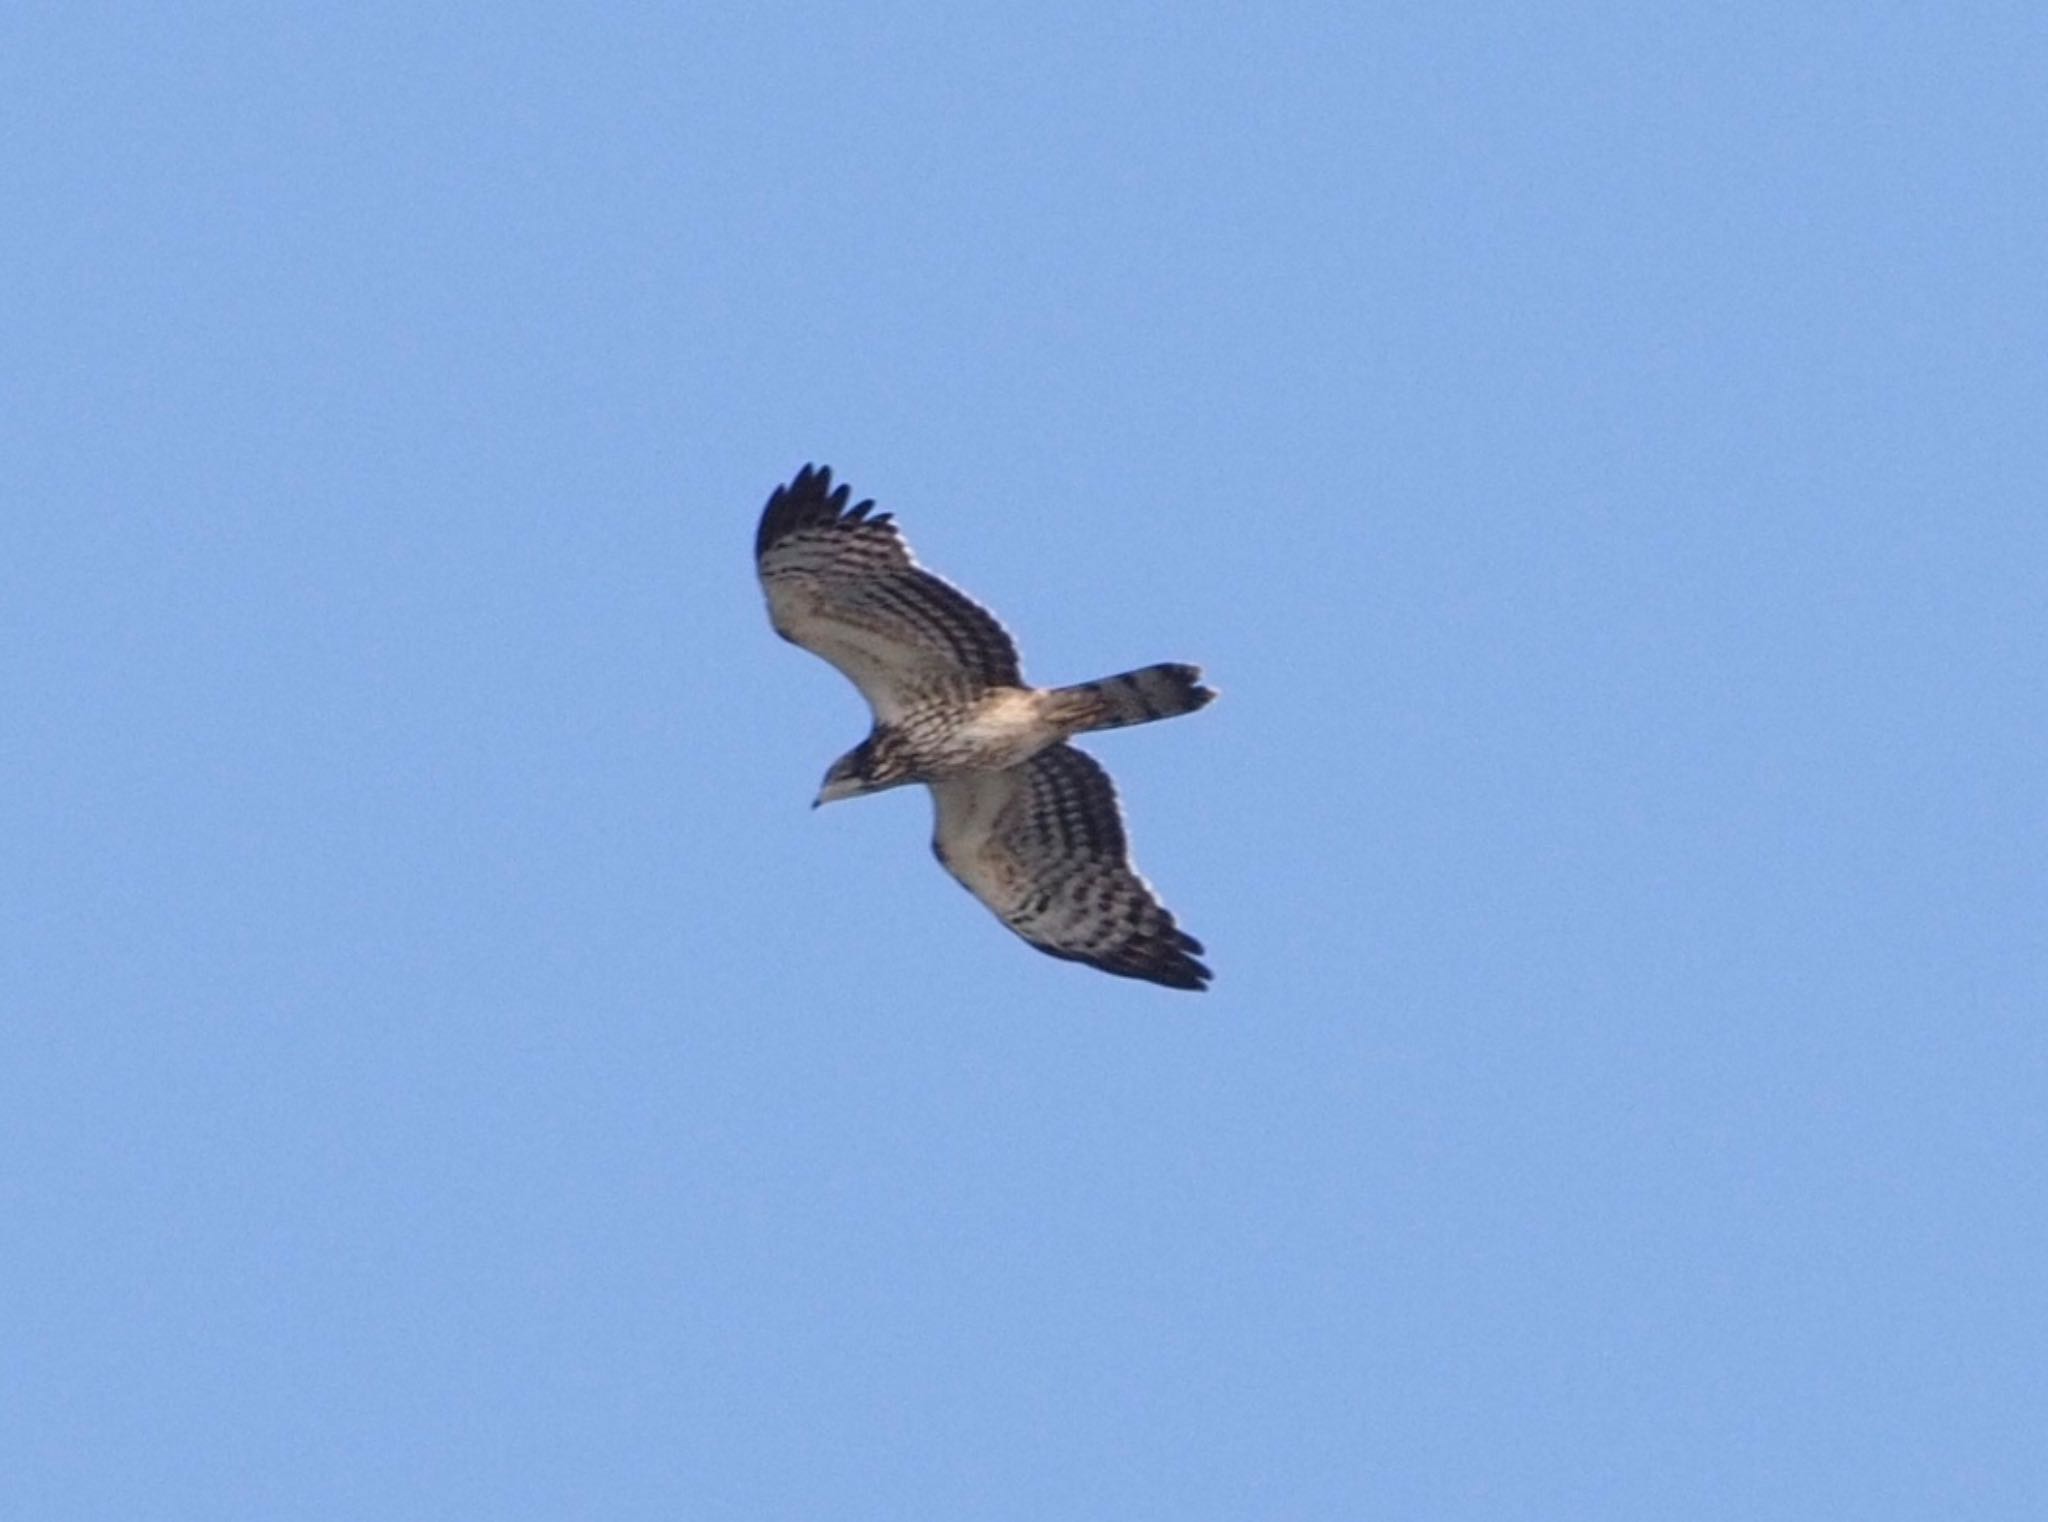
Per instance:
(1027,823)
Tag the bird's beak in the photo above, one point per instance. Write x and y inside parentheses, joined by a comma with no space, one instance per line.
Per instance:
(832,792)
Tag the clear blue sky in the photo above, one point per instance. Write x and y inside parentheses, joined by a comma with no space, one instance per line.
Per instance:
(447,1070)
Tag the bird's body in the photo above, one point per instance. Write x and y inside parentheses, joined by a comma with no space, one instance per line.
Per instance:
(1026,822)
(986,731)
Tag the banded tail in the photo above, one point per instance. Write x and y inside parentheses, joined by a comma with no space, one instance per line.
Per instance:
(1132,697)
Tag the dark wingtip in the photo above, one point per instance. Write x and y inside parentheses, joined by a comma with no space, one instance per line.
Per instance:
(1173,962)
(808,498)
(1166,963)
(1187,975)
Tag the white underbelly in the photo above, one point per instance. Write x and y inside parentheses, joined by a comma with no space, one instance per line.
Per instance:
(1006,729)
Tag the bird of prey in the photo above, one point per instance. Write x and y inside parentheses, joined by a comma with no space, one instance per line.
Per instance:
(1027,823)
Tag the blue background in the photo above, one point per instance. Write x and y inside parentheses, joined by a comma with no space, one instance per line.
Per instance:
(446,1069)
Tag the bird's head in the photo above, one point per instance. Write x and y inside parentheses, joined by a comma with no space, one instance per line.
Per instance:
(867,768)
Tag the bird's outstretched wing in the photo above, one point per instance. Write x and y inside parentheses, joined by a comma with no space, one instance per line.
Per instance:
(1042,844)
(841,582)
